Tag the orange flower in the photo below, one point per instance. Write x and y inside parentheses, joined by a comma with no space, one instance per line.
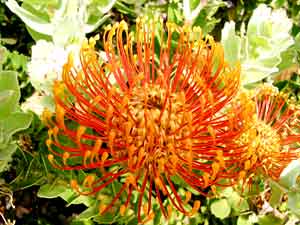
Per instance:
(153,111)
(273,138)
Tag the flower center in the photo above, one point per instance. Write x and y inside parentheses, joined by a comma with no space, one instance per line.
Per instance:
(154,127)
(267,139)
(262,143)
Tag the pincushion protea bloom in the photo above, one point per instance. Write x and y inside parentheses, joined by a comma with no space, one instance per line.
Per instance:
(166,115)
(272,141)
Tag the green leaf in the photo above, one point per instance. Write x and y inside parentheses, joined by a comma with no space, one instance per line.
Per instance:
(104,6)
(134,221)
(157,218)
(107,218)
(38,36)
(289,57)
(174,13)
(243,220)
(227,192)
(9,81)
(124,8)
(254,48)
(88,214)
(237,203)
(17,61)
(96,11)
(205,18)
(282,84)
(253,72)
(83,199)
(82,222)
(269,220)
(206,24)
(31,20)
(220,208)
(54,191)
(294,202)
(278,3)
(43,8)
(7,151)
(91,27)
(8,41)
(231,43)
(3,54)
(8,102)
(61,21)
(15,122)
(50,191)
(29,174)
(290,174)
(5,155)
(276,194)
(10,121)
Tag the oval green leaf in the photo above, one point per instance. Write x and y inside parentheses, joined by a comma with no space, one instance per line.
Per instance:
(220,208)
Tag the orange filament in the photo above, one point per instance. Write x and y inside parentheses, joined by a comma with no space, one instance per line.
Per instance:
(122,210)
(196,207)
(65,157)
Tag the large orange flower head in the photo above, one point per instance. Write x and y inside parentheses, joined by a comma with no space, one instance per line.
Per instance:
(273,138)
(158,108)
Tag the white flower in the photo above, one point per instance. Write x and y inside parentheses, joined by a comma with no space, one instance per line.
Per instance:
(47,62)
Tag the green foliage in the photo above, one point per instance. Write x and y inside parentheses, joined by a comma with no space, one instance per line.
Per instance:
(293,9)
(11,119)
(269,219)
(59,188)
(276,194)
(196,13)
(243,220)
(14,35)
(220,208)
(294,202)
(15,61)
(229,204)
(206,18)
(290,84)
(31,164)
(255,47)
(289,181)
(291,55)
(62,21)
(126,7)
(289,177)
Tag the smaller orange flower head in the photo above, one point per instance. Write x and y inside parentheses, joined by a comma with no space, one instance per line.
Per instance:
(272,140)
(158,108)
